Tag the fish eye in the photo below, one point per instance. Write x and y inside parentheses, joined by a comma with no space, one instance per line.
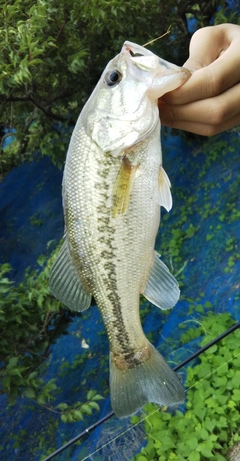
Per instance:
(113,77)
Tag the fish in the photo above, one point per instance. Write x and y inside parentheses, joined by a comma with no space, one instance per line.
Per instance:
(113,187)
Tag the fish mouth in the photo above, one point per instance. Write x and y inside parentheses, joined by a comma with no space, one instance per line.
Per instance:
(140,57)
(146,60)
(136,55)
(136,50)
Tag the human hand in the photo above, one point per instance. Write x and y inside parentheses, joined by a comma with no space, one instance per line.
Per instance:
(209,102)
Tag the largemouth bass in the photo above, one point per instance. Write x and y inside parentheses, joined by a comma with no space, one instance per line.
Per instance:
(113,187)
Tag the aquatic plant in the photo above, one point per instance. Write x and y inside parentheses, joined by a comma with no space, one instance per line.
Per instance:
(210,424)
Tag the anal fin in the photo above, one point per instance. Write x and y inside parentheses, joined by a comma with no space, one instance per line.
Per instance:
(162,288)
(65,283)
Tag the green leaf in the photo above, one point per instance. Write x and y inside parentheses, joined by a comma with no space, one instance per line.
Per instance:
(64,418)
(203,434)
(200,411)
(207,452)
(36,61)
(91,394)
(41,400)
(97,397)
(62,406)
(32,375)
(6,384)
(12,362)
(183,449)
(236,379)
(15,372)
(205,449)
(236,395)
(86,409)
(192,442)
(231,404)
(78,416)
(30,393)
(94,405)
(194,456)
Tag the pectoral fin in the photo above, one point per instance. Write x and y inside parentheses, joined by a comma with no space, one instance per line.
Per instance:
(65,283)
(123,187)
(162,288)
(165,196)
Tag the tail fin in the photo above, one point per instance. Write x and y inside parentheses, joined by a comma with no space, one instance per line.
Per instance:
(152,381)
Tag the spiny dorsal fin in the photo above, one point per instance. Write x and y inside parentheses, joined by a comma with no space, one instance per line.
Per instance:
(123,187)
(165,196)
(162,288)
(65,283)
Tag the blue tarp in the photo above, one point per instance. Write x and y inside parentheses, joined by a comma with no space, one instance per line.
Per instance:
(31,214)
(205,187)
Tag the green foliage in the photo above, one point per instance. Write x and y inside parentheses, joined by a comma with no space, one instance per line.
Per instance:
(225,14)
(206,326)
(210,424)
(53,53)
(36,220)
(172,241)
(31,319)
(76,412)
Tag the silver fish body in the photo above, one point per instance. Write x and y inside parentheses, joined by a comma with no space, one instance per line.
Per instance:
(113,187)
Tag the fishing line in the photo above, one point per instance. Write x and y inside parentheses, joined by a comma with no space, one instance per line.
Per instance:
(158,38)
(109,415)
(208,345)
(211,372)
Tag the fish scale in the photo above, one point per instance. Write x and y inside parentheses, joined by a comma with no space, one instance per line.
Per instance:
(113,187)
